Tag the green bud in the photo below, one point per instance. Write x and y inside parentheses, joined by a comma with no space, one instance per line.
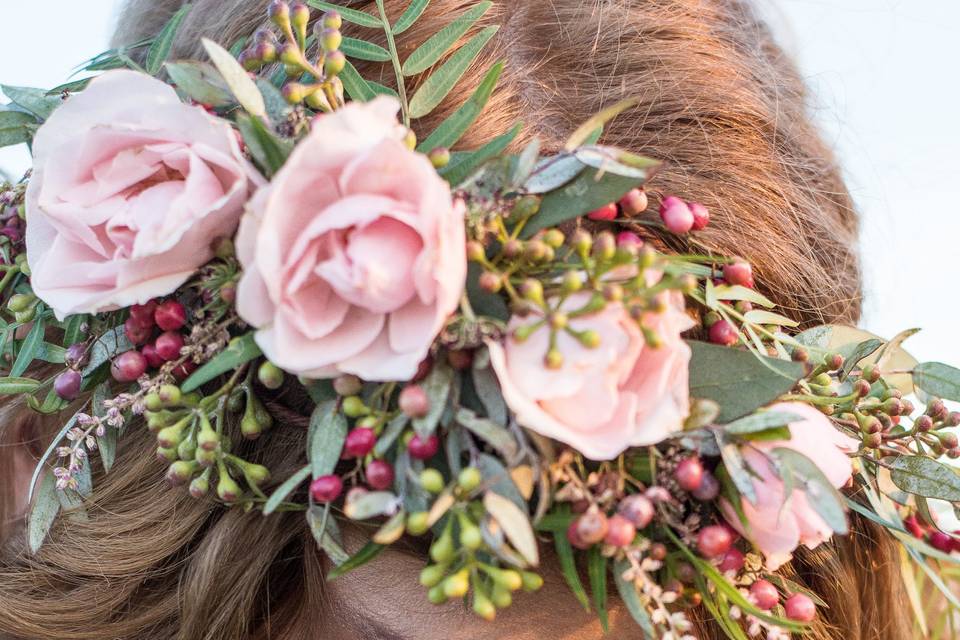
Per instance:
(332,20)
(572,282)
(256,474)
(330,39)
(482,605)
(506,578)
(166,455)
(348,385)
(646,257)
(20,302)
(582,241)
(291,55)
(207,439)
(531,581)
(417,523)
(250,427)
(439,157)
(199,487)
(152,402)
(589,338)
(475,251)
(442,550)
(227,489)
(436,594)
(431,575)
(431,480)
(270,375)
(24,317)
(169,395)
(410,140)
(334,63)
(512,248)
(605,246)
(469,479)
(299,17)
(457,585)
(470,536)
(187,450)
(554,238)
(294,92)
(553,359)
(157,420)
(532,290)
(236,401)
(170,437)
(206,458)
(501,597)
(525,207)
(317,100)
(353,407)
(535,251)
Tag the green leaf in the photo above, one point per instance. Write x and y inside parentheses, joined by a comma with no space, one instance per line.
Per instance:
(363,50)
(938,379)
(552,173)
(437,386)
(41,464)
(11,385)
(244,89)
(371,504)
(267,149)
(569,568)
(738,292)
(585,130)
(358,18)
(483,302)
(759,422)
(430,52)
(356,87)
(736,470)
(30,348)
(925,477)
(73,328)
(36,101)
(201,82)
(760,316)
(526,163)
(494,434)
(239,351)
(515,524)
(452,129)
(44,512)
(854,354)
(381,89)
(277,106)
(390,434)
(160,48)
(739,381)
(323,528)
(597,571)
(328,431)
(107,443)
(590,190)
(497,479)
(370,551)
(631,599)
(409,16)
(821,494)
(109,345)
(458,171)
(435,88)
(52,353)
(280,493)
(75,86)
(15,127)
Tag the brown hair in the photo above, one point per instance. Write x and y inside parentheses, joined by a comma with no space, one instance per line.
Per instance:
(720,104)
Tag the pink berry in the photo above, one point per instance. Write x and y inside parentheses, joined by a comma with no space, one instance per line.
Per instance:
(67,384)
(423,448)
(592,527)
(620,531)
(380,475)
(701,216)
(709,488)
(723,333)
(76,355)
(136,332)
(938,540)
(168,345)
(714,541)
(170,315)
(629,240)
(676,215)
(359,442)
(634,202)
(912,524)
(733,560)
(574,538)
(326,488)
(800,607)
(689,474)
(128,366)
(740,272)
(143,313)
(606,212)
(638,509)
(414,401)
(153,359)
(765,595)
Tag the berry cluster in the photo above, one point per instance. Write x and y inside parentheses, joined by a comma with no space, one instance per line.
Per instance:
(155,327)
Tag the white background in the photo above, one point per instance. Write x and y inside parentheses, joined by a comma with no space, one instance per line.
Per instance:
(884,85)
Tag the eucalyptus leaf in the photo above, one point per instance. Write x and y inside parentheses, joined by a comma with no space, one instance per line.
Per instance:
(497,436)
(239,351)
(244,89)
(42,463)
(390,434)
(925,477)
(631,599)
(43,513)
(497,479)
(160,48)
(288,486)
(552,173)
(739,292)
(277,106)
(36,101)
(410,16)
(363,50)
(73,328)
(938,379)
(328,432)
(853,355)
(456,172)
(267,149)
(323,527)
(392,529)
(15,127)
(760,422)
(437,386)
(617,161)
(761,316)
(431,51)
(436,87)
(488,389)
(353,16)
(821,494)
(736,469)
(454,126)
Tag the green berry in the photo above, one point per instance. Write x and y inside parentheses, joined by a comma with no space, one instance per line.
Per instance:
(353,407)
(431,480)
(457,585)
(417,523)
(270,375)
(469,479)
(431,575)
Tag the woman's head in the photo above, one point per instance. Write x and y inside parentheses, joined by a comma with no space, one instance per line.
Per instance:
(719,103)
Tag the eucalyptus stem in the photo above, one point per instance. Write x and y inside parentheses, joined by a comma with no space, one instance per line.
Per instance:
(395,59)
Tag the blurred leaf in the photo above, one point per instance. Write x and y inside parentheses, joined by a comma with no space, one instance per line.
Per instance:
(107,443)
(267,149)
(410,16)
(362,557)
(552,173)
(244,89)
(631,599)
(454,126)
(437,386)
(759,422)
(488,389)
(15,127)
(430,52)
(371,504)
(495,435)
(498,479)
(736,469)
(821,494)
(440,506)
(285,489)
(160,48)
(356,87)
(41,463)
(583,132)
(515,524)
(277,106)
(328,432)
(568,567)
(324,529)
(36,101)
(759,316)
(853,356)
(435,88)
(597,571)
(925,477)
(938,379)
(30,348)
(358,18)
(738,292)
(483,302)
(393,430)
(44,512)
(239,351)
(363,50)
(617,161)
(457,172)
(526,163)
(201,82)
(12,385)
(392,529)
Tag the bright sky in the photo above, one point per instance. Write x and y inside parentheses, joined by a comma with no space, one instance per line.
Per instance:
(883,85)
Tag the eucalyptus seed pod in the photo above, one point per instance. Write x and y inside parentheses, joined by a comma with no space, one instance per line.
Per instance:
(227,489)
(432,574)
(200,486)
(442,550)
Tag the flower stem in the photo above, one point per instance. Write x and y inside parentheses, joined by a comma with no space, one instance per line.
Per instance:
(395,59)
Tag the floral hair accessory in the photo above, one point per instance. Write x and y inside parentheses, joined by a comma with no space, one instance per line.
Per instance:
(492,356)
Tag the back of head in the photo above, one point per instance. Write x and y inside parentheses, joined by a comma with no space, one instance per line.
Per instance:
(719,103)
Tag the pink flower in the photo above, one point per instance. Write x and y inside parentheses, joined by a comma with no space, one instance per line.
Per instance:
(354,257)
(130,188)
(604,399)
(778,525)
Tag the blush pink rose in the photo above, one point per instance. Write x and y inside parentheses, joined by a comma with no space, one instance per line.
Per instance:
(778,524)
(130,188)
(354,256)
(622,393)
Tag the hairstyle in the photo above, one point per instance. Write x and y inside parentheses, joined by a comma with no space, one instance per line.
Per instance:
(720,103)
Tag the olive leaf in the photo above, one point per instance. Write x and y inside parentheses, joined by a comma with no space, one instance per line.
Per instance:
(456,124)
(15,127)
(325,438)
(371,505)
(44,512)
(285,489)
(631,599)
(568,566)
(437,386)
(597,572)
(239,351)
(494,434)
(370,551)
(30,348)
(359,18)
(363,50)
(410,16)
(460,169)
(160,48)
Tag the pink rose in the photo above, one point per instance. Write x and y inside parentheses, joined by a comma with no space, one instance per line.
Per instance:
(777,525)
(602,400)
(354,257)
(130,188)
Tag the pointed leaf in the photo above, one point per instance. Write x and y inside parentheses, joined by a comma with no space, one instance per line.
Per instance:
(925,477)
(362,557)
(494,434)
(821,494)
(631,599)
(324,528)
(430,52)
(41,464)
(160,48)
(552,173)
(372,504)
(569,568)
(244,89)
(584,131)
(597,572)
(30,348)
(267,149)
(435,88)
(738,292)
(44,512)
(759,316)
(394,428)
(457,172)
(363,50)
(451,129)
(515,524)
(239,351)
(410,16)
(328,432)
(356,87)
(437,386)
(280,493)
(15,386)
(354,16)
(36,101)
(15,127)
(760,422)
(938,379)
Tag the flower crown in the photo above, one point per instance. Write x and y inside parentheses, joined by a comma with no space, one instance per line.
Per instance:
(187,250)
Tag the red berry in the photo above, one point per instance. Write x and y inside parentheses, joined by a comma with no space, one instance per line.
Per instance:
(326,488)
(414,401)
(423,448)
(168,345)
(153,359)
(629,240)
(634,202)
(128,366)
(800,608)
(709,488)
(592,527)
(740,272)
(676,215)
(606,212)
(764,594)
(574,538)
(67,384)
(182,371)
(380,474)
(144,312)
(938,540)
(913,525)
(724,333)
(733,560)
(689,474)
(170,315)
(359,442)
(701,216)
(714,541)
(620,531)
(136,332)
(637,509)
